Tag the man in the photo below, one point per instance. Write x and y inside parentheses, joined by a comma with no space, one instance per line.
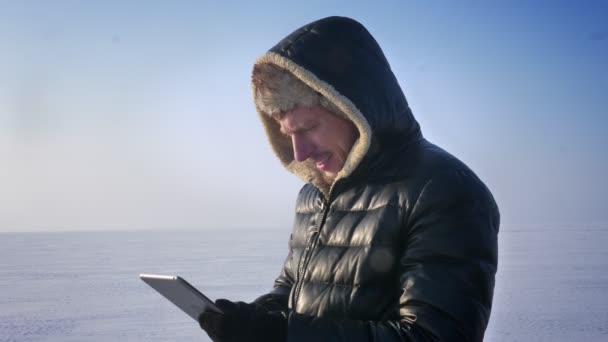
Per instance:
(394,239)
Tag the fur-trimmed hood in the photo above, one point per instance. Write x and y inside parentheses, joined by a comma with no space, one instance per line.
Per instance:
(336,63)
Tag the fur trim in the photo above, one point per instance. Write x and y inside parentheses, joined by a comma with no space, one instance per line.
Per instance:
(279,85)
(277,91)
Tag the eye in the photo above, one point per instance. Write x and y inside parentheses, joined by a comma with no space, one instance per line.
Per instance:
(303,130)
(309,129)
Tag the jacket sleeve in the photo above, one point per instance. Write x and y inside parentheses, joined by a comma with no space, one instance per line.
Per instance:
(446,270)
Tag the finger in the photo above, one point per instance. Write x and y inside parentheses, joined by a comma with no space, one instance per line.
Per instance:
(226,306)
(214,325)
(210,321)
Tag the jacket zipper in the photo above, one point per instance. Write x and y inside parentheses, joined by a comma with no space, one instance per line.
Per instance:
(311,244)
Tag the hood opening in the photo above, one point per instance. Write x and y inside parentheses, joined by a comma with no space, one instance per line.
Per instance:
(279,85)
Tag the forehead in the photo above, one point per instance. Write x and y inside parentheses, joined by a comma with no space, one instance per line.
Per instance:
(302,116)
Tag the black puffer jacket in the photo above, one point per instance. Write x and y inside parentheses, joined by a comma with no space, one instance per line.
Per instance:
(403,246)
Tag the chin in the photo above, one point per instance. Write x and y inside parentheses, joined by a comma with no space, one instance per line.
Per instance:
(329,176)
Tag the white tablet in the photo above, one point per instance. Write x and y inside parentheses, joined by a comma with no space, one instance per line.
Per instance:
(180,293)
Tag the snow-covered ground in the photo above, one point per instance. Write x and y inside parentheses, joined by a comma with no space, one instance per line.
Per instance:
(552,283)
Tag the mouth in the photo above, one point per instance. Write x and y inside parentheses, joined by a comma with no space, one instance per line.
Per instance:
(322,163)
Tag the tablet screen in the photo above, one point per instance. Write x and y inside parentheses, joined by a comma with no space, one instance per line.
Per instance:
(180,293)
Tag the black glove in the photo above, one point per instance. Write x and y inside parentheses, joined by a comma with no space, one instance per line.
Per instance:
(242,322)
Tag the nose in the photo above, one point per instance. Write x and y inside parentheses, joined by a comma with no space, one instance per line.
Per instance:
(302,147)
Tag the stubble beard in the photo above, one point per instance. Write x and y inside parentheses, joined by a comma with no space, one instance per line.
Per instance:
(329,178)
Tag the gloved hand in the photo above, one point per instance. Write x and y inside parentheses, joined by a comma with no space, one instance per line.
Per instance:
(242,322)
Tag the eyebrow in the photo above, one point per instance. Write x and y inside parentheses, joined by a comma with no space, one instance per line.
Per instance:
(306,125)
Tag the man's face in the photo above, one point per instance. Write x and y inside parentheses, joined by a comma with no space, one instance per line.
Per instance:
(321,136)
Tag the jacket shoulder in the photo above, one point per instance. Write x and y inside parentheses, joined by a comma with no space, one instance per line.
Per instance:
(308,199)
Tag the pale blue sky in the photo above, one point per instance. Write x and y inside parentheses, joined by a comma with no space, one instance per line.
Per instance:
(135,115)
